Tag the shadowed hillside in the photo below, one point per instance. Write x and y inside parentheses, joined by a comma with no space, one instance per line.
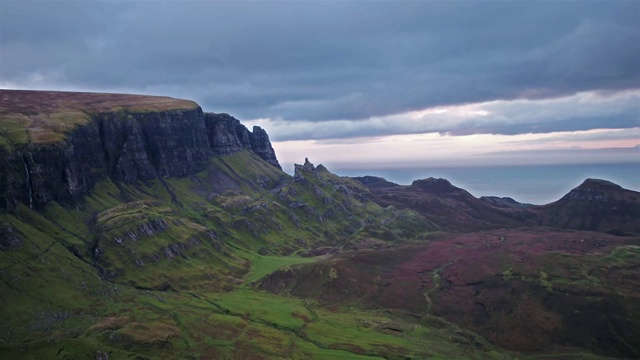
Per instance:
(597,205)
(448,206)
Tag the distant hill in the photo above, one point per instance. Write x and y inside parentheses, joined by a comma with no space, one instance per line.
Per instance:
(596,205)
(446,205)
(504,202)
(375,182)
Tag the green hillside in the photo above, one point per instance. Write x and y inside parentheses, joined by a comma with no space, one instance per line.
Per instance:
(164,269)
(137,227)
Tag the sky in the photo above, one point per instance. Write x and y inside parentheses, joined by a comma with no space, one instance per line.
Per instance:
(353,84)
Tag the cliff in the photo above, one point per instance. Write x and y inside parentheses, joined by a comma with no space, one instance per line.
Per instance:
(55,146)
(227,135)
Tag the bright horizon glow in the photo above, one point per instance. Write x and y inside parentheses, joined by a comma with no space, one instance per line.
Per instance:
(498,132)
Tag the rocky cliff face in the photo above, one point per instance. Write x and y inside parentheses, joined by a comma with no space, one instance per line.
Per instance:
(126,146)
(222,133)
(227,136)
(261,145)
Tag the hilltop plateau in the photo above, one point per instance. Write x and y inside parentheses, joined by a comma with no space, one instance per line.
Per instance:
(142,227)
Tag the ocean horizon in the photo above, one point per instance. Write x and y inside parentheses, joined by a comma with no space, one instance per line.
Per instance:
(534,184)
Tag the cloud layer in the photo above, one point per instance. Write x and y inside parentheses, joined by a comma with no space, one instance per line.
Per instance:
(339,69)
(582,111)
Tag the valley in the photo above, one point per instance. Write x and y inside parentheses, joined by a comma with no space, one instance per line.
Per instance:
(144,228)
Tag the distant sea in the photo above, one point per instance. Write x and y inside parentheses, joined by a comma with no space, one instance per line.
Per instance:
(535,184)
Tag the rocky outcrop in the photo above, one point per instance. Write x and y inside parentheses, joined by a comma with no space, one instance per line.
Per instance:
(9,239)
(126,146)
(301,171)
(261,145)
(222,134)
(227,136)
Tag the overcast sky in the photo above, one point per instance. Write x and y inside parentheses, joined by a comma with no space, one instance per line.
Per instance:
(426,81)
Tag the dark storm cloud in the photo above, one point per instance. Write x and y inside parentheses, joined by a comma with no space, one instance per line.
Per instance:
(319,61)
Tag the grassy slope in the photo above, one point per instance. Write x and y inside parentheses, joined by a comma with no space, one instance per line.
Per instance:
(46,116)
(130,271)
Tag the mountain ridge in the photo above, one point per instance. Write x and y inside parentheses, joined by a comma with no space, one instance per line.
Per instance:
(174,139)
(595,204)
(171,233)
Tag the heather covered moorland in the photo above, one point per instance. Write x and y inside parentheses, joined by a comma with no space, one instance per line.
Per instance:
(151,229)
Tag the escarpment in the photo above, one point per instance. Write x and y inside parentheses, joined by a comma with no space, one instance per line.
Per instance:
(227,135)
(123,137)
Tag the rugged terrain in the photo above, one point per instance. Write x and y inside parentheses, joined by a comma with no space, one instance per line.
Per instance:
(142,227)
